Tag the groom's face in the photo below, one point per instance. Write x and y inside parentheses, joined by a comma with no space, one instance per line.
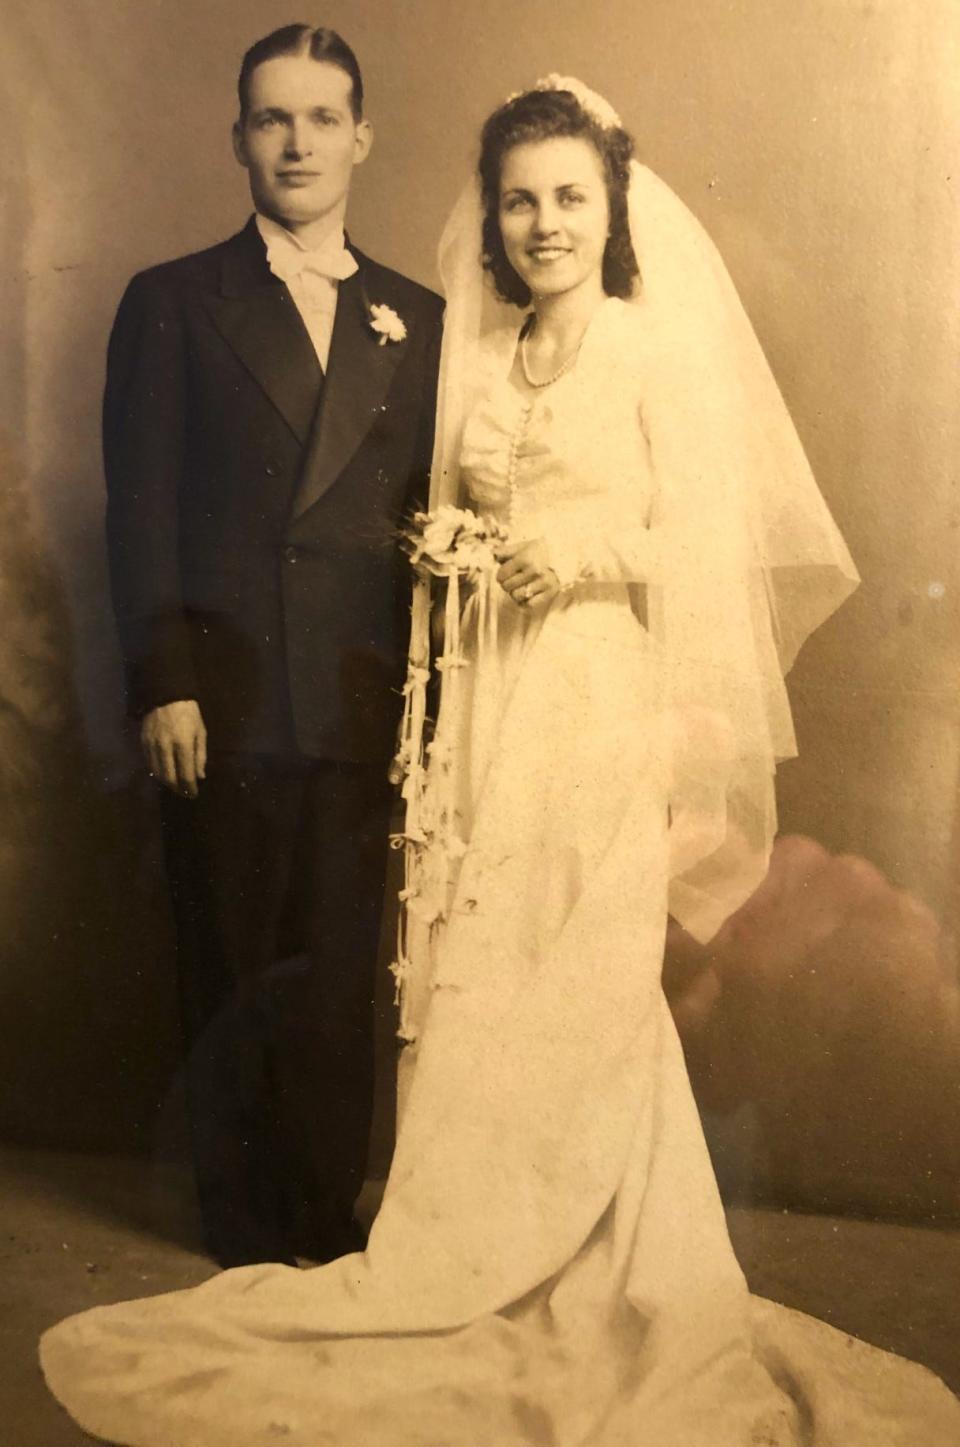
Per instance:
(299,139)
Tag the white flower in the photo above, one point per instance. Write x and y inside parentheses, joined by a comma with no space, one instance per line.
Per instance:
(439,532)
(454,540)
(384,320)
(416,678)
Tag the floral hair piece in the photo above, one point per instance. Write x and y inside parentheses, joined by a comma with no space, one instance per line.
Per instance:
(594,105)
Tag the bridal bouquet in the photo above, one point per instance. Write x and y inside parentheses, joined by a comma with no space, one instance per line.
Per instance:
(453,542)
(461,548)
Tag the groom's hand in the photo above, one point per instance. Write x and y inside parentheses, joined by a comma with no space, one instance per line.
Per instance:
(525,573)
(174,742)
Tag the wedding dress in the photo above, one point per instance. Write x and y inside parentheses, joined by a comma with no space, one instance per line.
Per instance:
(550,1264)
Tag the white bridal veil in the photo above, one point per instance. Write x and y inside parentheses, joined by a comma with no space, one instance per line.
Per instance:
(745,559)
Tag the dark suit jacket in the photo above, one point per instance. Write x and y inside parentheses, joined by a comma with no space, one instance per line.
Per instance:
(253,505)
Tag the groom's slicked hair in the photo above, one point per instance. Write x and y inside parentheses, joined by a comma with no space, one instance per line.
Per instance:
(315,41)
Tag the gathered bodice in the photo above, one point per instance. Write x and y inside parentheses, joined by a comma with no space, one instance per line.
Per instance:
(571,452)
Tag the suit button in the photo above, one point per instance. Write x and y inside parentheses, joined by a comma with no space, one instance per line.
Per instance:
(290,554)
(271,468)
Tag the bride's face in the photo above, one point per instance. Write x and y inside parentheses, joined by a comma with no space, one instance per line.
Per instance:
(554,214)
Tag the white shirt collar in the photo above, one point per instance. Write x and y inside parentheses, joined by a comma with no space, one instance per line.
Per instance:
(275,235)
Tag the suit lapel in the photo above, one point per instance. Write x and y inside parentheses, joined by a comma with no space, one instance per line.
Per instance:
(256,315)
(359,374)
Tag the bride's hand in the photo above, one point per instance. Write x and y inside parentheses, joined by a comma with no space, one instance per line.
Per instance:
(525,573)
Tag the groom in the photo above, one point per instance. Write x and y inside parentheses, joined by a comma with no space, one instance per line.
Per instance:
(267,423)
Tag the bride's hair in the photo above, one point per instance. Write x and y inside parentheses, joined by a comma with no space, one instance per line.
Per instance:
(543,115)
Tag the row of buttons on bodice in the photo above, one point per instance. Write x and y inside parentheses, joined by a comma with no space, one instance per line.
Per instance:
(517,439)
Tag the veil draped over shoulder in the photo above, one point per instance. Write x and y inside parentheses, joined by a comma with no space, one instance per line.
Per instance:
(745,559)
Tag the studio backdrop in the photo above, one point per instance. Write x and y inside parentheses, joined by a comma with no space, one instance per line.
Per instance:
(817,141)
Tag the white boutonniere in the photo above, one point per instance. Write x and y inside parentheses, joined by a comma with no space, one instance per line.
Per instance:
(384,321)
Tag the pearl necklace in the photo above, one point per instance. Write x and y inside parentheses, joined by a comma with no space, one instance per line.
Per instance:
(548,381)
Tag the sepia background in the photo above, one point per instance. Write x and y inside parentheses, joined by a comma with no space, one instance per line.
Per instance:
(817,141)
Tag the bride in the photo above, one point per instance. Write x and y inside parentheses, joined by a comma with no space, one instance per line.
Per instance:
(550,1263)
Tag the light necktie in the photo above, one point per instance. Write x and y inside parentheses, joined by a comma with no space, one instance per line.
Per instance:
(333,263)
(312,277)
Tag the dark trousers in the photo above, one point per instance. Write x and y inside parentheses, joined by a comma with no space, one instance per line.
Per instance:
(277,873)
